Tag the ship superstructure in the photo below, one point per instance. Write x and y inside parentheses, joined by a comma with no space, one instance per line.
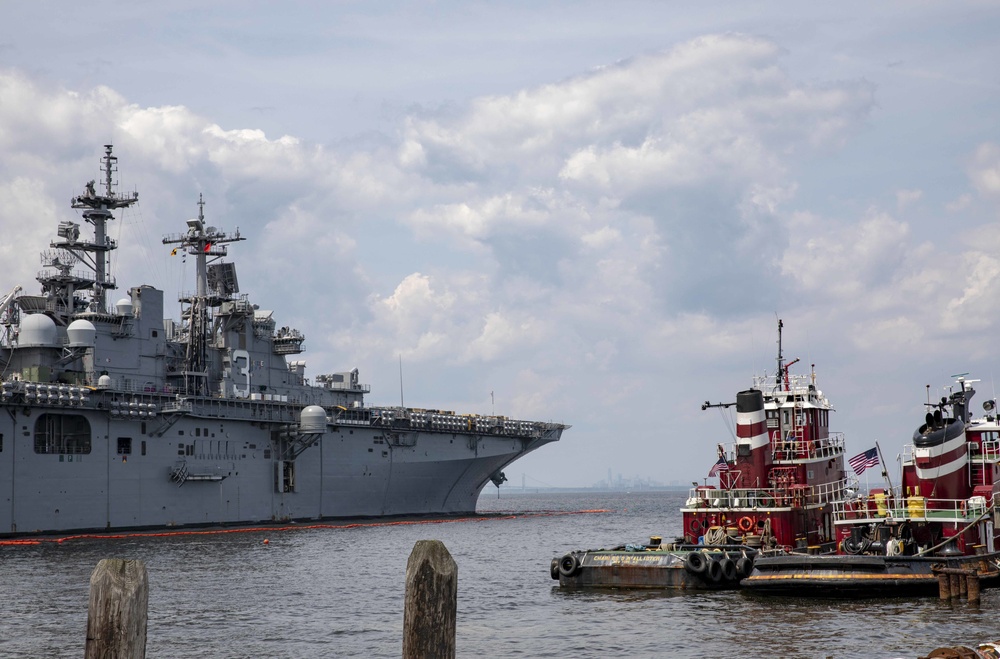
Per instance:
(946,502)
(116,417)
(780,478)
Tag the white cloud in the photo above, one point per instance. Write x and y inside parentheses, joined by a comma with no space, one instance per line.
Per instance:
(961,203)
(905,198)
(977,280)
(28,206)
(841,261)
(713,106)
(985,169)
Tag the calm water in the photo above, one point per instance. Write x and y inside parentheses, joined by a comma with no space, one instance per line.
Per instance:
(339,592)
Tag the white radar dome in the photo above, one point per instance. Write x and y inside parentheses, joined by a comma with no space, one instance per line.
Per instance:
(104,382)
(38,330)
(124,307)
(312,419)
(81,333)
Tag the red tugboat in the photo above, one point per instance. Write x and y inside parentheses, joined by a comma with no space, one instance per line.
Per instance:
(897,541)
(778,483)
(777,487)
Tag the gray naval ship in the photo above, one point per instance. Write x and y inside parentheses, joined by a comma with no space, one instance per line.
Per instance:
(112,417)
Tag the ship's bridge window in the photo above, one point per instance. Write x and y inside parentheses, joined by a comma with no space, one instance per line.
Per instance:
(62,433)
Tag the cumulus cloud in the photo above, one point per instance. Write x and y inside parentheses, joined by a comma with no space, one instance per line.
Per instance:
(985,170)
(839,260)
(716,106)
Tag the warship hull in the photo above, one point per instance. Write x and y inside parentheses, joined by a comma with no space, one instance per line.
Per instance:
(230,476)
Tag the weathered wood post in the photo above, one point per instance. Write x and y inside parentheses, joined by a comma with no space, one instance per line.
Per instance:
(944,586)
(116,619)
(973,588)
(431,602)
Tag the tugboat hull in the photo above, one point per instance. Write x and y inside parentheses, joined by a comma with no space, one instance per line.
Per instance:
(862,576)
(683,569)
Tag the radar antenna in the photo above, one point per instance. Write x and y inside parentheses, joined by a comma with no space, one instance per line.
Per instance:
(203,243)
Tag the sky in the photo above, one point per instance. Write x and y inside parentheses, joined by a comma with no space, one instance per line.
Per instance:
(585,212)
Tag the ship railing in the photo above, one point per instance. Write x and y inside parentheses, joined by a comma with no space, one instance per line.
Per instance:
(795,448)
(830,492)
(892,507)
(79,276)
(182,406)
(353,417)
(347,386)
(792,496)
(436,420)
(986,451)
(769,384)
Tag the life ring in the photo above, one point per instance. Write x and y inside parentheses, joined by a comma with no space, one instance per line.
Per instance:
(696,562)
(569,565)
(745,524)
(729,571)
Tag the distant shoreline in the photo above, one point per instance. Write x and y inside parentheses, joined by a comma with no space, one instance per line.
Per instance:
(506,491)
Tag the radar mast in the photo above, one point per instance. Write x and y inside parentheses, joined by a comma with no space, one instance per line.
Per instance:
(202,243)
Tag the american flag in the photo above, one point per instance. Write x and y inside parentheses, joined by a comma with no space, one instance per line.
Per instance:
(721,465)
(862,461)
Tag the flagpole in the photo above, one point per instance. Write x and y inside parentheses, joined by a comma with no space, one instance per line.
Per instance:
(885,470)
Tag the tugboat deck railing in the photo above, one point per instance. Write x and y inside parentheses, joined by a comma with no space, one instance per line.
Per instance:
(797,496)
(880,508)
(796,449)
(988,452)
(799,388)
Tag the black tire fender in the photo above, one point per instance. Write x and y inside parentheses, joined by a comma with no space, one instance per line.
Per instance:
(696,562)
(729,571)
(714,572)
(554,568)
(569,565)
(744,566)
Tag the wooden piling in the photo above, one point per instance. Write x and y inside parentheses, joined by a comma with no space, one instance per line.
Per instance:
(117,614)
(973,588)
(431,602)
(955,583)
(944,586)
